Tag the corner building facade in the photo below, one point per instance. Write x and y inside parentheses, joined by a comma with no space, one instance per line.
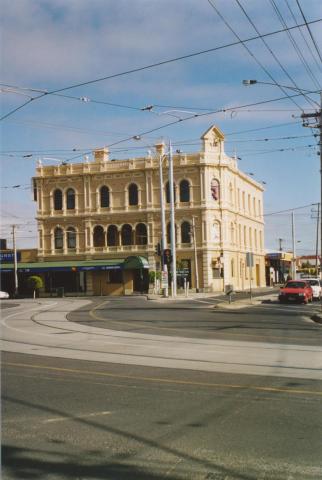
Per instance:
(109,210)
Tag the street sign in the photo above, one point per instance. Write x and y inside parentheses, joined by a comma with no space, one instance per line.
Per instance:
(249,259)
(164,279)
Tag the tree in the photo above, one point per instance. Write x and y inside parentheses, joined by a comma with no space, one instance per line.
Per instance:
(35,283)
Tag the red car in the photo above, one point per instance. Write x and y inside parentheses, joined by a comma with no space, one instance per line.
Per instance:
(296,291)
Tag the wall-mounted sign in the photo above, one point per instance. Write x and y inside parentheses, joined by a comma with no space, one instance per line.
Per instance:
(8,257)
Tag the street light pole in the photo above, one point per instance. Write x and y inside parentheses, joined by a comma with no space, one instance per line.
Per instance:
(195,252)
(172,226)
(163,228)
(15,259)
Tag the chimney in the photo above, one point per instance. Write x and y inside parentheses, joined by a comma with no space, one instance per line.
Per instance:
(101,155)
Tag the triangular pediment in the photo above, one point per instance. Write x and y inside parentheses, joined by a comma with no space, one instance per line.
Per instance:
(212,133)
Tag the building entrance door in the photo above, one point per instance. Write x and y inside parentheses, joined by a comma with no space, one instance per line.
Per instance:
(257,275)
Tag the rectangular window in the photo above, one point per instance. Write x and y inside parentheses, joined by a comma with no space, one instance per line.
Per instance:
(114,276)
(34,185)
(216,273)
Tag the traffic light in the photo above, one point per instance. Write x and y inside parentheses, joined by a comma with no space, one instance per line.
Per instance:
(158,250)
(167,257)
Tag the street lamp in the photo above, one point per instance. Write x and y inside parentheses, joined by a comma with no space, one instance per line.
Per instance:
(318,118)
(172,221)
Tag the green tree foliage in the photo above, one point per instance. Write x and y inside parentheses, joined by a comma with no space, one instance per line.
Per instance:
(35,283)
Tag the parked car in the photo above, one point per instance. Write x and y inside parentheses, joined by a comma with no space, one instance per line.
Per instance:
(296,291)
(4,294)
(316,287)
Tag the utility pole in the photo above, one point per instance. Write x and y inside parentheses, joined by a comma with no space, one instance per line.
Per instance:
(163,227)
(318,118)
(15,258)
(293,248)
(172,226)
(317,241)
(195,252)
(317,217)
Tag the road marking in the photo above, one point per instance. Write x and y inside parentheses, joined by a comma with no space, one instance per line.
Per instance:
(75,417)
(164,380)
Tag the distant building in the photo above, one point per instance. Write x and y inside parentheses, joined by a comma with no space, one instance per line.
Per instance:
(99,222)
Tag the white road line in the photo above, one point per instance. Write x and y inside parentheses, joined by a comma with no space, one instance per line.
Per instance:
(75,417)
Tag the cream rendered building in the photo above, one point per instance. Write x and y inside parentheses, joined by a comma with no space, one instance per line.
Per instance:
(107,210)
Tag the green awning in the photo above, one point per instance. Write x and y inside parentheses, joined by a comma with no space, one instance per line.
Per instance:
(135,262)
(132,262)
(80,265)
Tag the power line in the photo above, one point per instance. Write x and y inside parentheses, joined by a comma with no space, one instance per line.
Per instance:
(295,45)
(264,152)
(290,209)
(273,55)
(139,135)
(259,63)
(154,65)
(303,36)
(309,30)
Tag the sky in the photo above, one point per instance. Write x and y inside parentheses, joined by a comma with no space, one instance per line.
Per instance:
(71,46)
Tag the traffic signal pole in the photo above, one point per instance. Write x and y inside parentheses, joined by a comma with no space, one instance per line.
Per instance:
(163,232)
(172,225)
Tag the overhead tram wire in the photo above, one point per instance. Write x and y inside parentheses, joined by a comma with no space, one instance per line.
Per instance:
(154,65)
(31,153)
(295,45)
(211,3)
(197,115)
(318,64)
(309,30)
(308,99)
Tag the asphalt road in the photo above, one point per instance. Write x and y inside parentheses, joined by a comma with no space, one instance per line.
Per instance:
(69,419)
(267,322)
(65,419)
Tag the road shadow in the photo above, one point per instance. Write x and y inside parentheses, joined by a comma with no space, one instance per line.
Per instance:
(26,463)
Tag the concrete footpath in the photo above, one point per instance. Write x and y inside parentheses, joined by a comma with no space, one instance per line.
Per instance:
(236,296)
(41,327)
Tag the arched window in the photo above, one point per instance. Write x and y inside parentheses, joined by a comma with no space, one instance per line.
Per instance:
(70,199)
(231,193)
(216,232)
(71,237)
(232,233)
(141,234)
(59,238)
(185,232)
(133,194)
(215,189)
(104,196)
(184,191)
(167,192)
(169,234)
(232,267)
(98,236)
(112,234)
(58,199)
(126,234)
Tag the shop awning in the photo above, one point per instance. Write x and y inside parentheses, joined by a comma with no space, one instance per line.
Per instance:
(135,262)
(132,262)
(68,266)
